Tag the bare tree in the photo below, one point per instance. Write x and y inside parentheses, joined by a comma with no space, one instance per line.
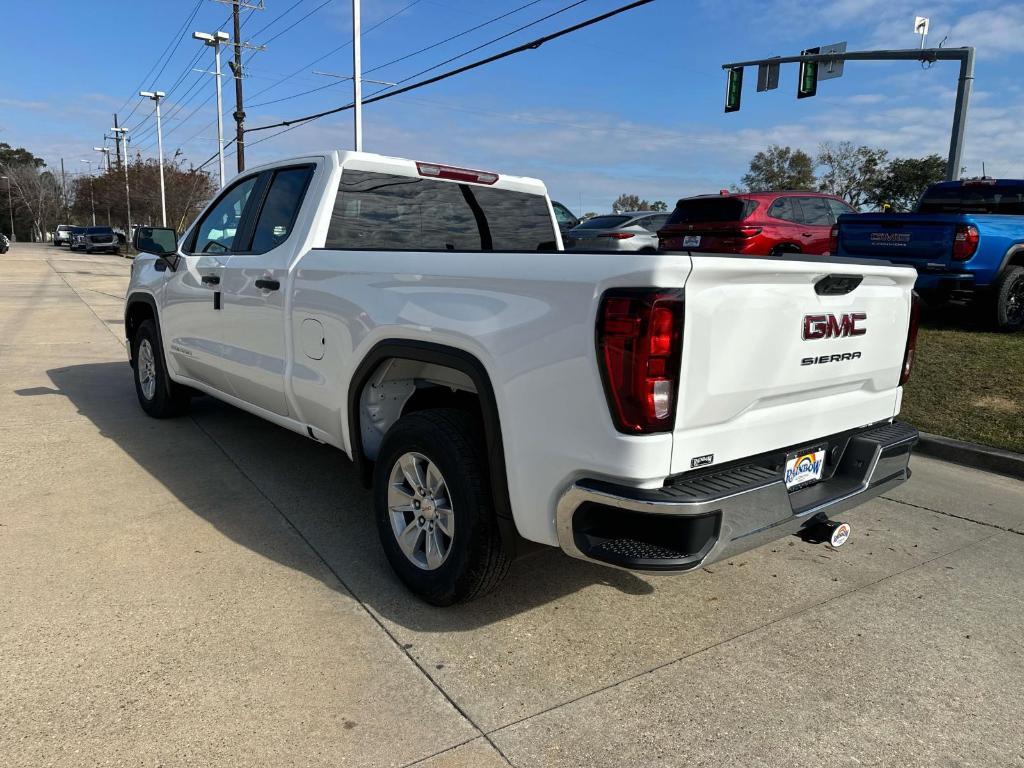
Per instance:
(35,195)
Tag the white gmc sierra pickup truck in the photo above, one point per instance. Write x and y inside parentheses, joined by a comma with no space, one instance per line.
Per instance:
(648,411)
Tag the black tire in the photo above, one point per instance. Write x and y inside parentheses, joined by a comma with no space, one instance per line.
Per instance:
(165,398)
(476,561)
(1008,293)
(782,250)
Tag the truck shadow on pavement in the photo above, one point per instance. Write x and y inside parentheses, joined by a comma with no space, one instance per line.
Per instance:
(270,490)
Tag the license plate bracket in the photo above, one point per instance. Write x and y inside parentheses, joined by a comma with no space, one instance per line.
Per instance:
(804,468)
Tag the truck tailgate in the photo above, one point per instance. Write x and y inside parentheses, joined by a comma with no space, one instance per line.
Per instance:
(750,382)
(906,238)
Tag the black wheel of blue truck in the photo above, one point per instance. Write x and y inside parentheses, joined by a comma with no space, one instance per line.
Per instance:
(1009,299)
(159,397)
(433,506)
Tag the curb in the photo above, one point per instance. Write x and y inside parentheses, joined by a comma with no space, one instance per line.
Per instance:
(972,455)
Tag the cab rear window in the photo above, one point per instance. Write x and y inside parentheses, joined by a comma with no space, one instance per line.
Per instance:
(406,213)
(1003,199)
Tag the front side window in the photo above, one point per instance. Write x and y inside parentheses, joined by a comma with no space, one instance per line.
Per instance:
(218,228)
(380,210)
(280,208)
(839,209)
(563,215)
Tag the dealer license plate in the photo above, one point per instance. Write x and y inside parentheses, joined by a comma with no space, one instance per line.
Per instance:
(804,468)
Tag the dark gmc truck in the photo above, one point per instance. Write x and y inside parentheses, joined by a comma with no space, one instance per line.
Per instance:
(966,240)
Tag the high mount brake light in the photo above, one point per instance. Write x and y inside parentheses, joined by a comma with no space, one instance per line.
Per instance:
(639,347)
(965,242)
(432,170)
(911,348)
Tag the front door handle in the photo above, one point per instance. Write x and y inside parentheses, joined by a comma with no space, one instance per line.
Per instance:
(211,279)
(267,285)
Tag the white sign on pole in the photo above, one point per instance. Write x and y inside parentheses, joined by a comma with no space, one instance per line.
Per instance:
(921,25)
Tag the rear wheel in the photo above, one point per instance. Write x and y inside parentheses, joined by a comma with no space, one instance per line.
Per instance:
(432,502)
(1009,299)
(159,397)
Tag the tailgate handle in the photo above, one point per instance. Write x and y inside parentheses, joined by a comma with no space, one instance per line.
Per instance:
(837,285)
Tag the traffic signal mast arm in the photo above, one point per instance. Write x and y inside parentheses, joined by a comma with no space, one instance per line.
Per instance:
(963,93)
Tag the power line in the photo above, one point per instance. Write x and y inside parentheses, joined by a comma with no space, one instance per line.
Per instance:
(333,51)
(532,45)
(406,56)
(175,36)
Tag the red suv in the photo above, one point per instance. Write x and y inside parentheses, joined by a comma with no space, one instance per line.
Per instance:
(756,223)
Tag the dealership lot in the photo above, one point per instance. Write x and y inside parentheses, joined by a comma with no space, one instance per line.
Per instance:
(210,591)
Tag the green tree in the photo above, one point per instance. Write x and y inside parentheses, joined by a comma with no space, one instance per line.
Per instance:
(659,205)
(852,173)
(779,168)
(906,179)
(626,202)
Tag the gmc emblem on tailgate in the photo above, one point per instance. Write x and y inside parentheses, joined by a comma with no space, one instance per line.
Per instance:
(832,326)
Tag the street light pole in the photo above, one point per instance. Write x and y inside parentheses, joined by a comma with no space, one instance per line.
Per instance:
(10,206)
(92,202)
(122,133)
(357,76)
(156,96)
(214,42)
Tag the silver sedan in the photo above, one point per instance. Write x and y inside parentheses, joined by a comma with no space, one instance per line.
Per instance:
(629,231)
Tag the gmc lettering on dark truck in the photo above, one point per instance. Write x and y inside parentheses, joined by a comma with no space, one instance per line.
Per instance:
(966,241)
(640,412)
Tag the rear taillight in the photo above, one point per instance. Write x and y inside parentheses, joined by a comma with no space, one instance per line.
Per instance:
(833,240)
(965,242)
(617,235)
(749,231)
(639,346)
(911,349)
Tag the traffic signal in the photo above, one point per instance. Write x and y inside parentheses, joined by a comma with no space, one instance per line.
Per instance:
(733,89)
(807,83)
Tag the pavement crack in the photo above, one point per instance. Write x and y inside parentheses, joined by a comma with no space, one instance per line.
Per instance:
(362,604)
(737,636)
(956,516)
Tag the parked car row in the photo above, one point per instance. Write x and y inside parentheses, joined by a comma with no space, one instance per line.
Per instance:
(88,239)
(965,238)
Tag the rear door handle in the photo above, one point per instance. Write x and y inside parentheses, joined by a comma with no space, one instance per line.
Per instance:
(807,234)
(211,279)
(267,285)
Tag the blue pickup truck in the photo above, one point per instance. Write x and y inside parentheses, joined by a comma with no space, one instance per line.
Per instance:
(966,240)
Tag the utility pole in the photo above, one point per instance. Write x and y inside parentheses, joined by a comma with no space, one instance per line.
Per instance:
(214,41)
(92,202)
(357,76)
(122,133)
(117,144)
(236,70)
(157,96)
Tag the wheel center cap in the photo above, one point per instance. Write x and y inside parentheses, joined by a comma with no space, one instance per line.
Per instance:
(427,508)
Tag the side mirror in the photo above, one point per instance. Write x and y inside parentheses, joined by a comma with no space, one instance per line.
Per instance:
(159,241)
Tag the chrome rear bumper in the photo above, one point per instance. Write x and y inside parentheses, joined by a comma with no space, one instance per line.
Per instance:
(699,518)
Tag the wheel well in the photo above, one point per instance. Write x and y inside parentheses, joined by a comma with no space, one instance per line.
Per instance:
(1016,258)
(400,386)
(134,315)
(787,248)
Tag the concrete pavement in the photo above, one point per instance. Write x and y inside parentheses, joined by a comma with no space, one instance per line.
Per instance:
(210,591)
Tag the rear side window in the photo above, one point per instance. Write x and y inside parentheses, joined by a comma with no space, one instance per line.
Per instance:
(653,223)
(280,208)
(406,213)
(816,212)
(1003,199)
(711,209)
(787,209)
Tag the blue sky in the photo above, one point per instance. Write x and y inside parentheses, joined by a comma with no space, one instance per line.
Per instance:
(632,105)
